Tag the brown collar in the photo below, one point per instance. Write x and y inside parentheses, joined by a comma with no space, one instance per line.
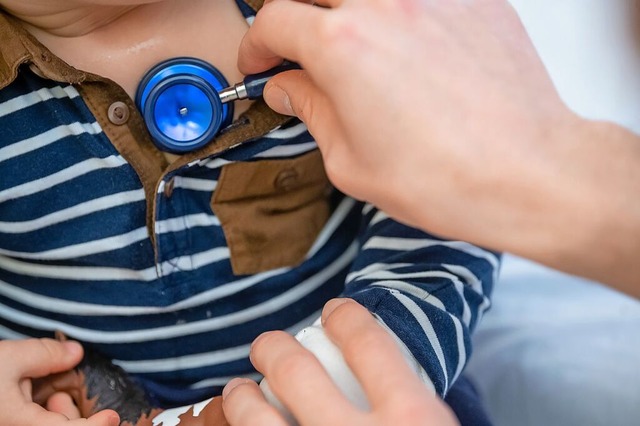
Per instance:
(20,47)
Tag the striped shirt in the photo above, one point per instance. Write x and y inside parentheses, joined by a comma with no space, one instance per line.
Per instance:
(171,270)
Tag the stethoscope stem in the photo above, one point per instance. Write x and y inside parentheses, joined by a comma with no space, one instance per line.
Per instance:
(253,85)
(234,93)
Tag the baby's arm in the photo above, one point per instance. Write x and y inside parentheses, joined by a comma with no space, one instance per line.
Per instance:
(429,292)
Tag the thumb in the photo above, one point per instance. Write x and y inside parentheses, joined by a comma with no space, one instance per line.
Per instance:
(40,357)
(295,93)
(36,415)
(63,404)
(102,418)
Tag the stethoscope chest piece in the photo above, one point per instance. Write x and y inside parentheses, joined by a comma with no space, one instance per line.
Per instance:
(180,104)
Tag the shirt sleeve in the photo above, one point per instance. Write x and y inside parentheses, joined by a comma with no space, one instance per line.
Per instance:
(428,291)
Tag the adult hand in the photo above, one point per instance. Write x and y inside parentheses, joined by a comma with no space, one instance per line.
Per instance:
(395,394)
(23,360)
(442,114)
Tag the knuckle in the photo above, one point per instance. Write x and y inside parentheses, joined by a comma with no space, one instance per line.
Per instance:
(341,37)
(269,9)
(342,314)
(334,31)
(267,340)
(297,364)
(366,340)
(49,347)
(409,406)
(335,169)
(264,417)
(330,162)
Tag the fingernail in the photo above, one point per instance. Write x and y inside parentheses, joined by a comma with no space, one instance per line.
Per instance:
(331,306)
(234,383)
(278,99)
(114,420)
(253,345)
(72,348)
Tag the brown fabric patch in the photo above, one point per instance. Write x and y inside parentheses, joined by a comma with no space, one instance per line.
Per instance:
(271,211)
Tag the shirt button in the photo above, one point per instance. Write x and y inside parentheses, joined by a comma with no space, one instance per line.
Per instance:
(168,188)
(286,179)
(118,113)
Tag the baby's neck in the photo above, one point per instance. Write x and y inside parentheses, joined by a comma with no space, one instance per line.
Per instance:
(60,21)
(123,42)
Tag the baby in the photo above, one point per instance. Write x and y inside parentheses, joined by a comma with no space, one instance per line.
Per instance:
(171,264)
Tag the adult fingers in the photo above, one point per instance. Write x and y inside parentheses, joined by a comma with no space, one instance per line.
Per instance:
(296,377)
(26,387)
(102,418)
(295,93)
(39,357)
(366,346)
(282,29)
(244,405)
(62,403)
(45,387)
(36,415)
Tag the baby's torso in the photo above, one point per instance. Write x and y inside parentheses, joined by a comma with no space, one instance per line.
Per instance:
(170,269)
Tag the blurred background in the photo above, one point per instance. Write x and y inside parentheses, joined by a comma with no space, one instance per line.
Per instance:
(555,349)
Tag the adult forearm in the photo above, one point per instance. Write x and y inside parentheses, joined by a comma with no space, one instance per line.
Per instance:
(574,206)
(602,228)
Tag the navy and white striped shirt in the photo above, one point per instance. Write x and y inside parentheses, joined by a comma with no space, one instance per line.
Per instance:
(140,266)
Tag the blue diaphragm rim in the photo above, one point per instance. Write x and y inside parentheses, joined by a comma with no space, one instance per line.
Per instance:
(179,102)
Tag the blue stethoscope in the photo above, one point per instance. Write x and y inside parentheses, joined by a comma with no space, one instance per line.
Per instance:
(185,102)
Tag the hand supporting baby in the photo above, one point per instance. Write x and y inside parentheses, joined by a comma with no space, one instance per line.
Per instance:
(297,378)
(24,360)
(96,384)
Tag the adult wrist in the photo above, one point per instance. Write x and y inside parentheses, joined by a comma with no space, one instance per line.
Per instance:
(592,217)
(612,167)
